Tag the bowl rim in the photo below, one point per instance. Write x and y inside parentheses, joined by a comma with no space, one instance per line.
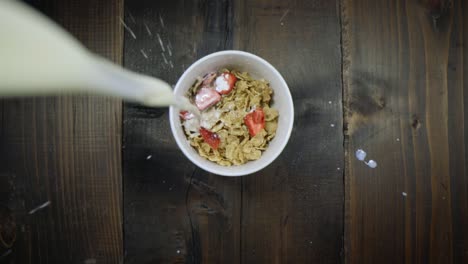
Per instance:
(233,173)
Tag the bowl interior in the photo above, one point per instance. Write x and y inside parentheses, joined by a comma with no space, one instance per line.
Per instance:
(258,69)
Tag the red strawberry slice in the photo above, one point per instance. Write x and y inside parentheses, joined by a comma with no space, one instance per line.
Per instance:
(210,138)
(186,115)
(206,97)
(255,121)
(225,83)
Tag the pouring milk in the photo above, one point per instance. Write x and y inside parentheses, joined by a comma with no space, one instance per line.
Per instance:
(40,58)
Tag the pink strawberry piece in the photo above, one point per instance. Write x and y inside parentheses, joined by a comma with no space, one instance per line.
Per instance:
(206,97)
(186,115)
(225,82)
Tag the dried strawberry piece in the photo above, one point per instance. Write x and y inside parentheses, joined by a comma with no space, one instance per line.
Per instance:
(206,97)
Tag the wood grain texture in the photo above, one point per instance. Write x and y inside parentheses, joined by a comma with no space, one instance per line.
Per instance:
(405,90)
(174,212)
(66,150)
(292,211)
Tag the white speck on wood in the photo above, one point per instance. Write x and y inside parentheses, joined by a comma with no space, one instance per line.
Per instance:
(194,49)
(40,207)
(164,57)
(160,42)
(329,102)
(178,251)
(149,157)
(404,194)
(148,30)
(332,125)
(397,139)
(161,20)
(143,53)
(361,154)
(169,47)
(371,163)
(338,168)
(284,15)
(127,28)
(169,50)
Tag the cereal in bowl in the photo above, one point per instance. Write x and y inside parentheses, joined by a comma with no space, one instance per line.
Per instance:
(236,122)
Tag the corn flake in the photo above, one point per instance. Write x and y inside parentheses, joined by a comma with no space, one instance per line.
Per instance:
(237,146)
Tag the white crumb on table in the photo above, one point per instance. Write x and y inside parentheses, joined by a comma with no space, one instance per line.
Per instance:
(144,53)
(361,154)
(148,30)
(160,42)
(371,163)
(127,28)
(40,207)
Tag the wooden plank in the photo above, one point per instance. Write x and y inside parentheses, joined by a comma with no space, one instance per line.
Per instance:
(66,151)
(405,90)
(292,211)
(174,212)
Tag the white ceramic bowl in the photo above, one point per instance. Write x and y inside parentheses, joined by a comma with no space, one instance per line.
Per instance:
(258,68)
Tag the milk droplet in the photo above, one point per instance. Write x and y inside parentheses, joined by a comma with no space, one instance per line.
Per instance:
(360,154)
(404,194)
(372,164)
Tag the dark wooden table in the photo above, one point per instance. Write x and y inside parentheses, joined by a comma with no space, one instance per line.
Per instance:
(385,76)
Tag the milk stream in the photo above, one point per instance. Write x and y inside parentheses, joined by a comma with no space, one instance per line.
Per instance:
(183,103)
(40,58)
